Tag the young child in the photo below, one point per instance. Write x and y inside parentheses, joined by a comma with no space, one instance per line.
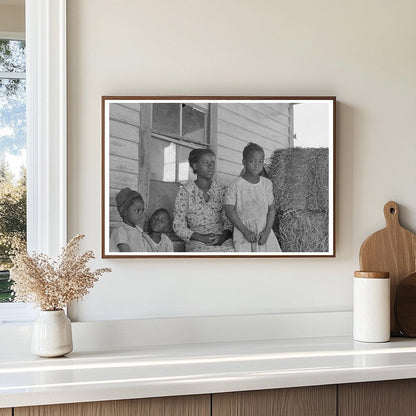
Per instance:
(128,236)
(249,205)
(159,224)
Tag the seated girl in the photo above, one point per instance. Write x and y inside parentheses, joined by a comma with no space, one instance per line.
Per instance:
(159,224)
(128,236)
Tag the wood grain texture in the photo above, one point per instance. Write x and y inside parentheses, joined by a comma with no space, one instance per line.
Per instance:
(123,164)
(372,275)
(244,115)
(382,398)
(227,128)
(124,131)
(392,250)
(300,401)
(405,305)
(125,113)
(5,412)
(160,406)
(212,127)
(124,148)
(119,180)
(145,151)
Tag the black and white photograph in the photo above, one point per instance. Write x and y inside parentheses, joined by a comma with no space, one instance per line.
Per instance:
(218,176)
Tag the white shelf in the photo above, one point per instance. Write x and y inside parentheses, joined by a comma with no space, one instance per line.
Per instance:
(151,371)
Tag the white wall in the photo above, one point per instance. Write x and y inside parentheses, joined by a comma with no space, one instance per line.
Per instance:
(361,51)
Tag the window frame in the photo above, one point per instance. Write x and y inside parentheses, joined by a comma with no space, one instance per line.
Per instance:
(46,122)
(175,138)
(181,140)
(46,125)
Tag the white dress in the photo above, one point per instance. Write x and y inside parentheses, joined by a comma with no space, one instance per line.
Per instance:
(251,202)
(132,236)
(164,245)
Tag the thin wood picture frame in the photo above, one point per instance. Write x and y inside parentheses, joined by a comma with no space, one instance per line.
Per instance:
(155,150)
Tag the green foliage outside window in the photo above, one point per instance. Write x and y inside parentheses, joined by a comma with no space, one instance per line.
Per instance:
(12,223)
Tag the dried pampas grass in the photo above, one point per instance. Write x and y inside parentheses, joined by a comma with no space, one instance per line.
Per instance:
(53,285)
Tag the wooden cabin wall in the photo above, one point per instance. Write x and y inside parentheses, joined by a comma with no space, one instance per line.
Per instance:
(266,124)
(124,152)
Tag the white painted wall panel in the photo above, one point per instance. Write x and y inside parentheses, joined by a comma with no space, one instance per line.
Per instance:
(252,48)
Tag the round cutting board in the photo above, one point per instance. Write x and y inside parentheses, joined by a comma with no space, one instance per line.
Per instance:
(405,305)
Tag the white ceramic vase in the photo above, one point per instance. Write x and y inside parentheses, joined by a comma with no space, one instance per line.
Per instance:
(52,334)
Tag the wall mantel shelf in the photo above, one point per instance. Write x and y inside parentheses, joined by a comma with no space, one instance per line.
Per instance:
(200,368)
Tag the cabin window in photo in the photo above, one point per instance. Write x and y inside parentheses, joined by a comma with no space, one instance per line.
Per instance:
(177,128)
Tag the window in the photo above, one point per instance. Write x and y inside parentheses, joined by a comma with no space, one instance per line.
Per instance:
(12,155)
(177,128)
(46,136)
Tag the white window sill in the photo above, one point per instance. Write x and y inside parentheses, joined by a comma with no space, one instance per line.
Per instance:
(16,313)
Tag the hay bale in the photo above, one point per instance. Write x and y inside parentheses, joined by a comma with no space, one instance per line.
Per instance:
(300,178)
(300,187)
(302,231)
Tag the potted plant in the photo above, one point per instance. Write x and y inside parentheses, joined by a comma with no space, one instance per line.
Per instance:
(52,286)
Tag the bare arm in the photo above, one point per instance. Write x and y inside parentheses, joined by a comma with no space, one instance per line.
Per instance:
(123,247)
(235,220)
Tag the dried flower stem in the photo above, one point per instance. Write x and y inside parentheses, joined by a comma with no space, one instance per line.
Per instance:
(53,285)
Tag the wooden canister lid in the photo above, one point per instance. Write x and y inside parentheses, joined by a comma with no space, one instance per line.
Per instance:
(372,275)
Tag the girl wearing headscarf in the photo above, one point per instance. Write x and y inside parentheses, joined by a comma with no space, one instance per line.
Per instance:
(128,236)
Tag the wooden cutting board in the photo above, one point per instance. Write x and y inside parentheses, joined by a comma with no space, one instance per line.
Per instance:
(405,305)
(393,250)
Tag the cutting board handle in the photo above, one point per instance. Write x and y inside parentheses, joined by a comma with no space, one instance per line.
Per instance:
(391,214)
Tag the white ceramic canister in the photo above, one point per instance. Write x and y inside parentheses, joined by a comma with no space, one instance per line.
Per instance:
(371,309)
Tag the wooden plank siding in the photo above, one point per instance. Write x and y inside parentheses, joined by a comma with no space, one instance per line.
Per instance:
(124,131)
(267,124)
(230,168)
(123,164)
(124,148)
(119,180)
(247,115)
(225,178)
(123,152)
(126,113)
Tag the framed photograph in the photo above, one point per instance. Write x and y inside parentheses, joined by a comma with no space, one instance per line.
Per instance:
(218,176)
